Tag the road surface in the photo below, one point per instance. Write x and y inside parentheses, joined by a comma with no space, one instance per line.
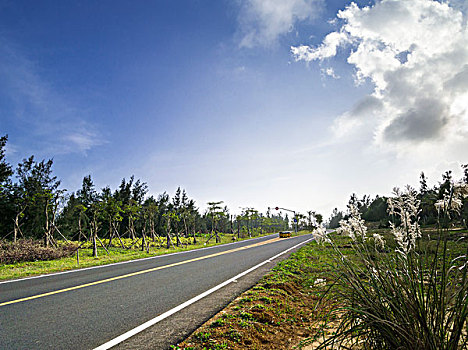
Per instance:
(86,308)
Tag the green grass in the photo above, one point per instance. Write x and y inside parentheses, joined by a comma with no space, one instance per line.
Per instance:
(26,269)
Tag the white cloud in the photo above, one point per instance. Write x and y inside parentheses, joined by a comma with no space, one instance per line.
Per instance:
(262,22)
(365,110)
(330,72)
(415,53)
(10,149)
(81,140)
(327,49)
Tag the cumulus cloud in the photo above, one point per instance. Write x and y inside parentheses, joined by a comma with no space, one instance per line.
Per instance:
(415,53)
(365,110)
(327,49)
(425,120)
(262,22)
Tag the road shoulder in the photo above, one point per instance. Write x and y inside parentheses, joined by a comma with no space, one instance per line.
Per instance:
(284,310)
(179,326)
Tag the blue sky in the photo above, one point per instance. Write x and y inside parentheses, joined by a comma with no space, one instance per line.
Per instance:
(247,101)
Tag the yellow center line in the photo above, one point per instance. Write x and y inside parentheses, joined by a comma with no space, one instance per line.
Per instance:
(135,273)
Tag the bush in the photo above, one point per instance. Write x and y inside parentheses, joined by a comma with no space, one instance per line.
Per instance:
(412,297)
(32,250)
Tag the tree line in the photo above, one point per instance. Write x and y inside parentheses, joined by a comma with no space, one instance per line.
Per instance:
(33,205)
(376,210)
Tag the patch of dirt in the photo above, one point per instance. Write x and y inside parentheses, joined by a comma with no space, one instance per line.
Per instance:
(268,316)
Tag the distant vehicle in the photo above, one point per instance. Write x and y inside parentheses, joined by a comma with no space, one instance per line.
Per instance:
(285,234)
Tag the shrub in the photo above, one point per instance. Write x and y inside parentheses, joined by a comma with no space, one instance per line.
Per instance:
(32,250)
(412,297)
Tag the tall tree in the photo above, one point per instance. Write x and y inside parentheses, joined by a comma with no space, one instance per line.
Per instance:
(151,213)
(215,212)
(465,173)
(178,207)
(319,218)
(5,168)
(335,219)
(170,216)
(133,211)
(423,182)
(75,215)
(41,193)
(446,184)
(7,212)
(96,216)
(112,210)
(17,203)
(87,195)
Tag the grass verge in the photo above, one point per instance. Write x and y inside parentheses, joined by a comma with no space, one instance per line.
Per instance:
(285,307)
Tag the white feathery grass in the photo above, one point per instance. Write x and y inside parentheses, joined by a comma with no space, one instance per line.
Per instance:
(413,298)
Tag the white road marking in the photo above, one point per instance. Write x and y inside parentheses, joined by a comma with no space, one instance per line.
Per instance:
(161,317)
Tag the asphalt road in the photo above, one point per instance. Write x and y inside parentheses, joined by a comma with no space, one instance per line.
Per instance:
(86,308)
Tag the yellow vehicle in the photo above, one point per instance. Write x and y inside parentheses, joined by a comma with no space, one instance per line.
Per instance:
(285,234)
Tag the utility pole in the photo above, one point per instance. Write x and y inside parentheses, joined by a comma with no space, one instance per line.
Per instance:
(295,217)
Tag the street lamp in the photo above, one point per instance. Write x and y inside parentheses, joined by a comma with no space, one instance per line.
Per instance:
(292,211)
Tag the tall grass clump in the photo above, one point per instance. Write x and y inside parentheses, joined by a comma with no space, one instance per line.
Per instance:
(405,291)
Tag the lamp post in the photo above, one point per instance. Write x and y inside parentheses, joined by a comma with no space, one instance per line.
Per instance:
(292,211)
